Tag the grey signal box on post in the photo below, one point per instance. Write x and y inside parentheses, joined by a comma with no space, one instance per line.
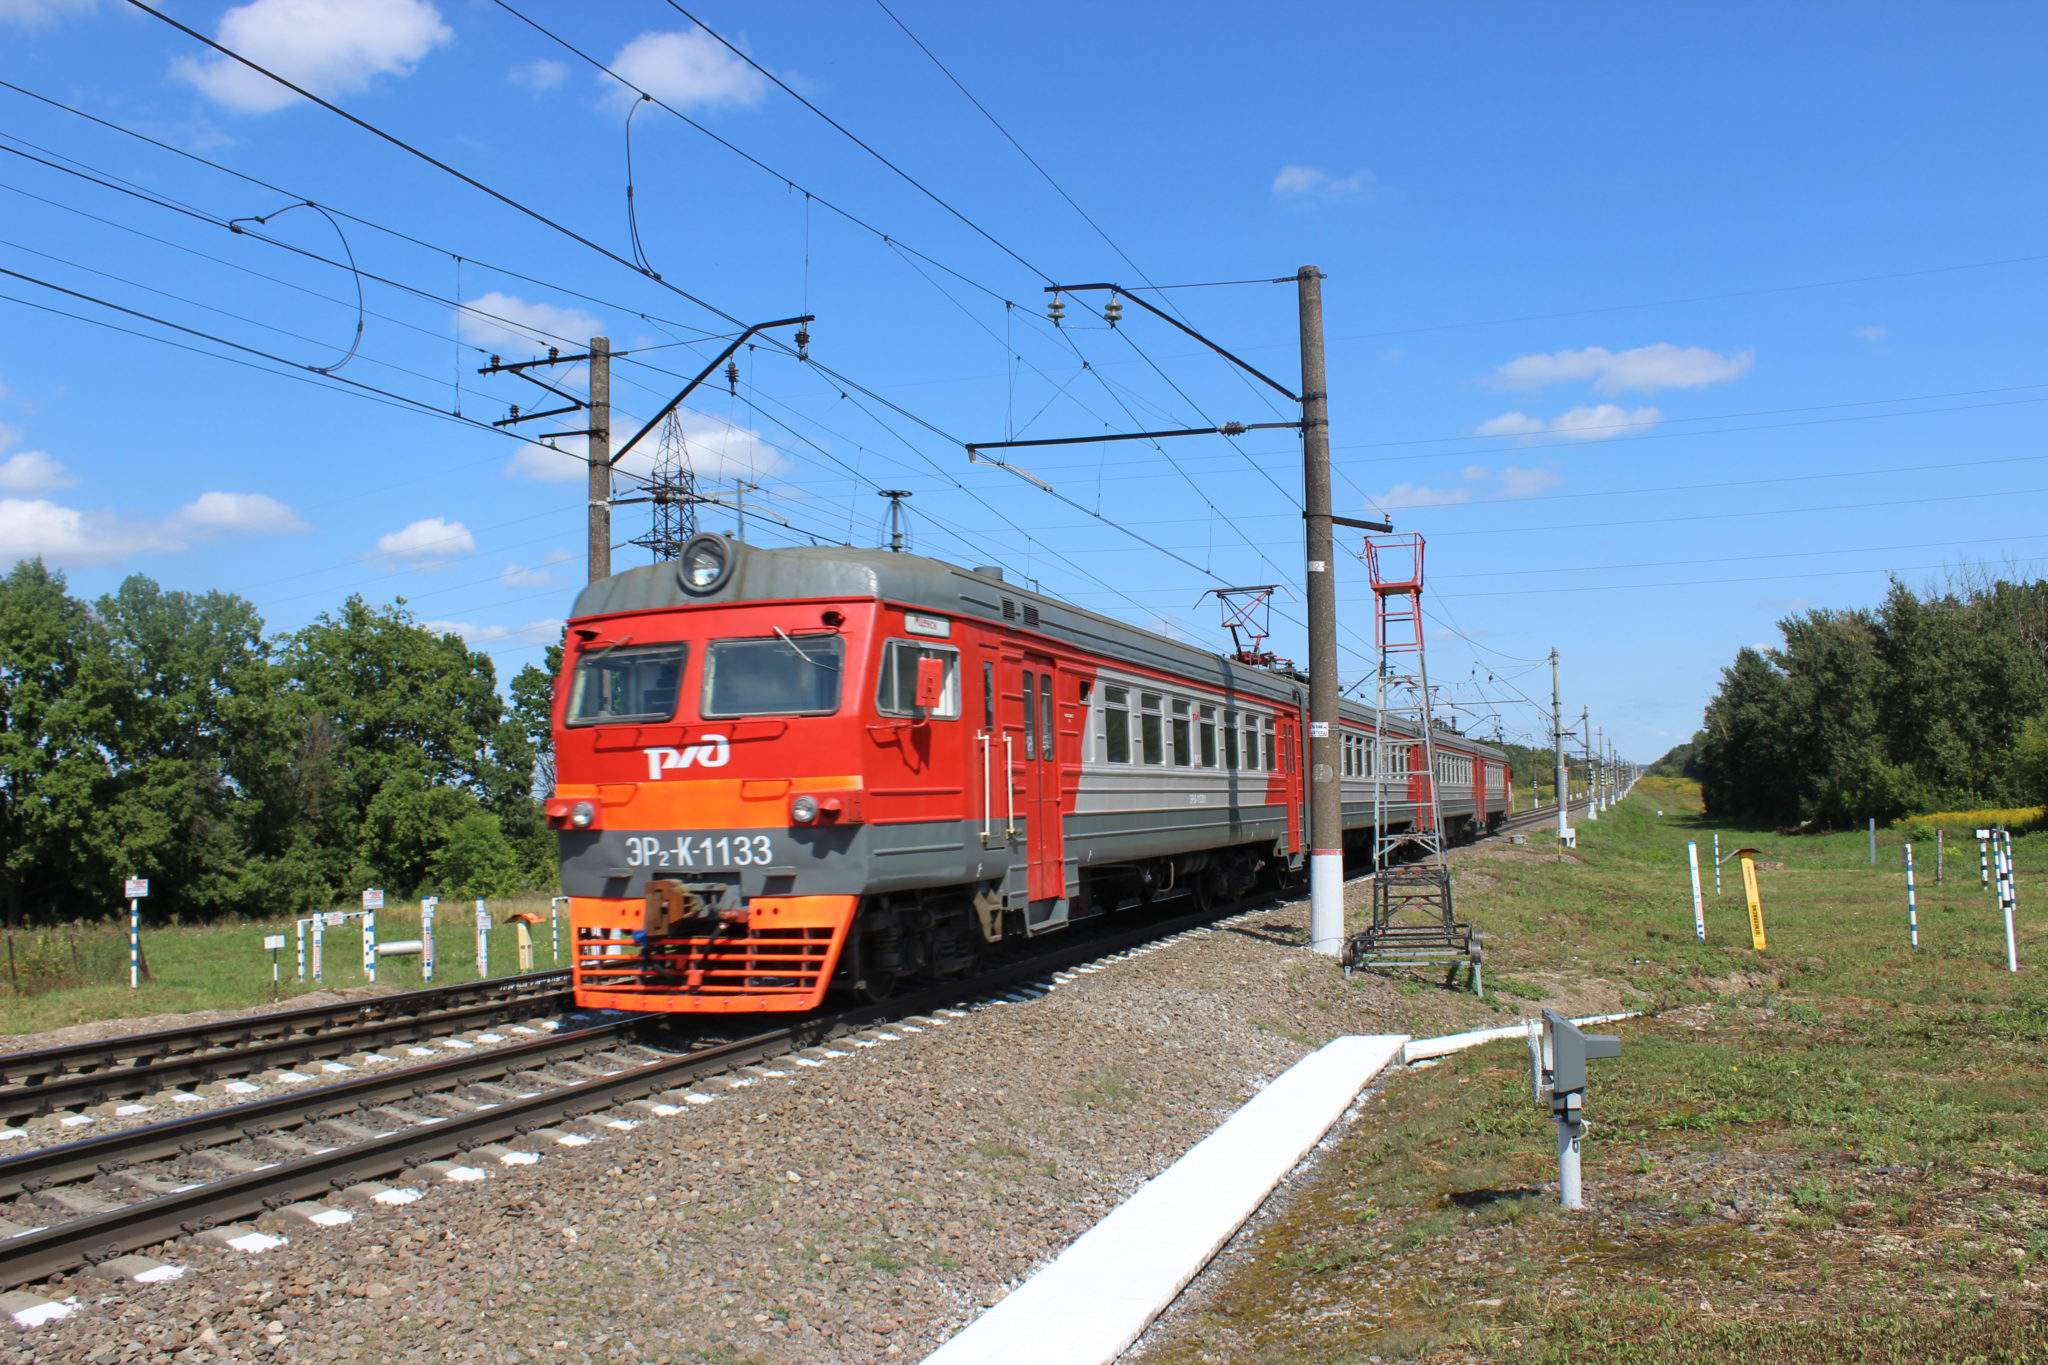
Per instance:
(1558,1054)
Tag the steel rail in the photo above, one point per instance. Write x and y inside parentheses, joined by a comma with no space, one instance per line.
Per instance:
(52,1250)
(106,1153)
(73,1092)
(20,1068)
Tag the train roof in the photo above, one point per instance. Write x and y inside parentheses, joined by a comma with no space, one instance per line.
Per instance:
(799,573)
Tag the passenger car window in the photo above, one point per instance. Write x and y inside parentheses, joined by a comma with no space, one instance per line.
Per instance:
(1183,748)
(1030,719)
(1150,731)
(1048,749)
(614,685)
(783,675)
(1208,736)
(896,689)
(1116,725)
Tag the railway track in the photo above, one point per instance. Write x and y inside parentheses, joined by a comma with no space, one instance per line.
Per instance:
(50,1080)
(90,1201)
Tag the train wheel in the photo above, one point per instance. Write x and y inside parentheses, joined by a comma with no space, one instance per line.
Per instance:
(1207,889)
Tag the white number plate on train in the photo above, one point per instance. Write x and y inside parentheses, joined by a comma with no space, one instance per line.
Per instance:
(699,852)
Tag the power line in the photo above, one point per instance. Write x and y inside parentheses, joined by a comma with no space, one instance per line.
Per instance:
(1893,570)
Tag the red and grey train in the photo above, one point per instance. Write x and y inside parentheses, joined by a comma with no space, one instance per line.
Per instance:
(786,771)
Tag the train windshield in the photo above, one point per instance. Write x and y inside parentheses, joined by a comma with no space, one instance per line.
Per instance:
(783,675)
(620,684)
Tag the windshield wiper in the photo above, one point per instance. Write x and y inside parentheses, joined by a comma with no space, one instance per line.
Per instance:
(795,648)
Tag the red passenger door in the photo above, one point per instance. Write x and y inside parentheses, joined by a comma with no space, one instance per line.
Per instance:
(1044,753)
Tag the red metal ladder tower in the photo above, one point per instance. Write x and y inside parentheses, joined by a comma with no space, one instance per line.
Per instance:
(1413,921)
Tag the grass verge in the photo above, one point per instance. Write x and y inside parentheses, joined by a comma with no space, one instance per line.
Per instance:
(1830,1150)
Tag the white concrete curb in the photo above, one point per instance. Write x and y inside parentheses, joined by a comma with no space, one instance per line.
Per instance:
(1097,1297)
(1421,1049)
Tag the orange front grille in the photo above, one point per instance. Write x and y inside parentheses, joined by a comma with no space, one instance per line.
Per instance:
(744,962)
(781,958)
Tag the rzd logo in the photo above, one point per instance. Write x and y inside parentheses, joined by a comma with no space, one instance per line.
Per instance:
(710,752)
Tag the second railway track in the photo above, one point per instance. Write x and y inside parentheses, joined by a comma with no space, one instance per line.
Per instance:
(49,1080)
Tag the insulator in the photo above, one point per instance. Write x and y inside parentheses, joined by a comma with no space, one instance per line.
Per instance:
(1113,311)
(554,353)
(732,377)
(494,362)
(1232,428)
(1058,310)
(515,410)
(803,343)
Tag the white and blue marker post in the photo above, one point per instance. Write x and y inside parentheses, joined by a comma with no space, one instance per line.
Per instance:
(1912,905)
(373,901)
(1983,860)
(319,943)
(427,906)
(2011,903)
(483,939)
(1717,864)
(299,932)
(1699,914)
(555,904)
(136,888)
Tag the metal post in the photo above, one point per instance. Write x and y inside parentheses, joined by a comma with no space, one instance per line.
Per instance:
(1569,1131)
(370,945)
(134,944)
(1873,841)
(1326,799)
(1586,746)
(598,454)
(1983,860)
(483,939)
(299,926)
(1717,864)
(319,943)
(555,904)
(1912,906)
(1557,740)
(427,938)
(2012,955)
(1699,914)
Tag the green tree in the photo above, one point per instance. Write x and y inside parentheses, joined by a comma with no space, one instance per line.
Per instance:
(58,686)
(476,859)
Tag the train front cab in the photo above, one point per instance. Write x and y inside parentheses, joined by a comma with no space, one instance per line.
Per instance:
(705,783)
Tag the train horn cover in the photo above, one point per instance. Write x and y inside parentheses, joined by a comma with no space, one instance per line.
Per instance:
(706,563)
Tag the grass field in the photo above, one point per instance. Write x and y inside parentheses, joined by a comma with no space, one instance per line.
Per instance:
(225,966)
(1831,1150)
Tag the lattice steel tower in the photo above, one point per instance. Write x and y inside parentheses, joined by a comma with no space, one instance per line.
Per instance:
(1413,922)
(671,495)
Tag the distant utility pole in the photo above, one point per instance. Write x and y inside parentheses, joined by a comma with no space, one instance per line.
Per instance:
(1557,740)
(1586,743)
(597,434)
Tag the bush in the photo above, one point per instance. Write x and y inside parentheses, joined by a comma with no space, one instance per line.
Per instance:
(477,859)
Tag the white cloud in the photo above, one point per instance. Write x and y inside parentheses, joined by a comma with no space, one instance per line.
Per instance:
(1510,424)
(427,543)
(1873,332)
(689,69)
(1480,482)
(42,13)
(539,576)
(538,632)
(1595,422)
(212,514)
(332,47)
(717,450)
(70,536)
(1645,369)
(1310,184)
(1603,422)
(520,325)
(542,74)
(31,471)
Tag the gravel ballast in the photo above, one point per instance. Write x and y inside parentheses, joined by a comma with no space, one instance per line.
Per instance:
(856,1210)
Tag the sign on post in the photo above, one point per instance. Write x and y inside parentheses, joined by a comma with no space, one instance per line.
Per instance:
(133,890)
(1755,898)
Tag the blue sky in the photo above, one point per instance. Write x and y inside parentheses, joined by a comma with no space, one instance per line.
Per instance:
(1659,321)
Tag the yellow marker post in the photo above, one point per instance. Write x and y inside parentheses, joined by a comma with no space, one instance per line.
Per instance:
(1756,904)
(522,929)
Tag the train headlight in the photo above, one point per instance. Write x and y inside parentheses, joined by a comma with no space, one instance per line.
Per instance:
(804,810)
(582,815)
(706,561)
